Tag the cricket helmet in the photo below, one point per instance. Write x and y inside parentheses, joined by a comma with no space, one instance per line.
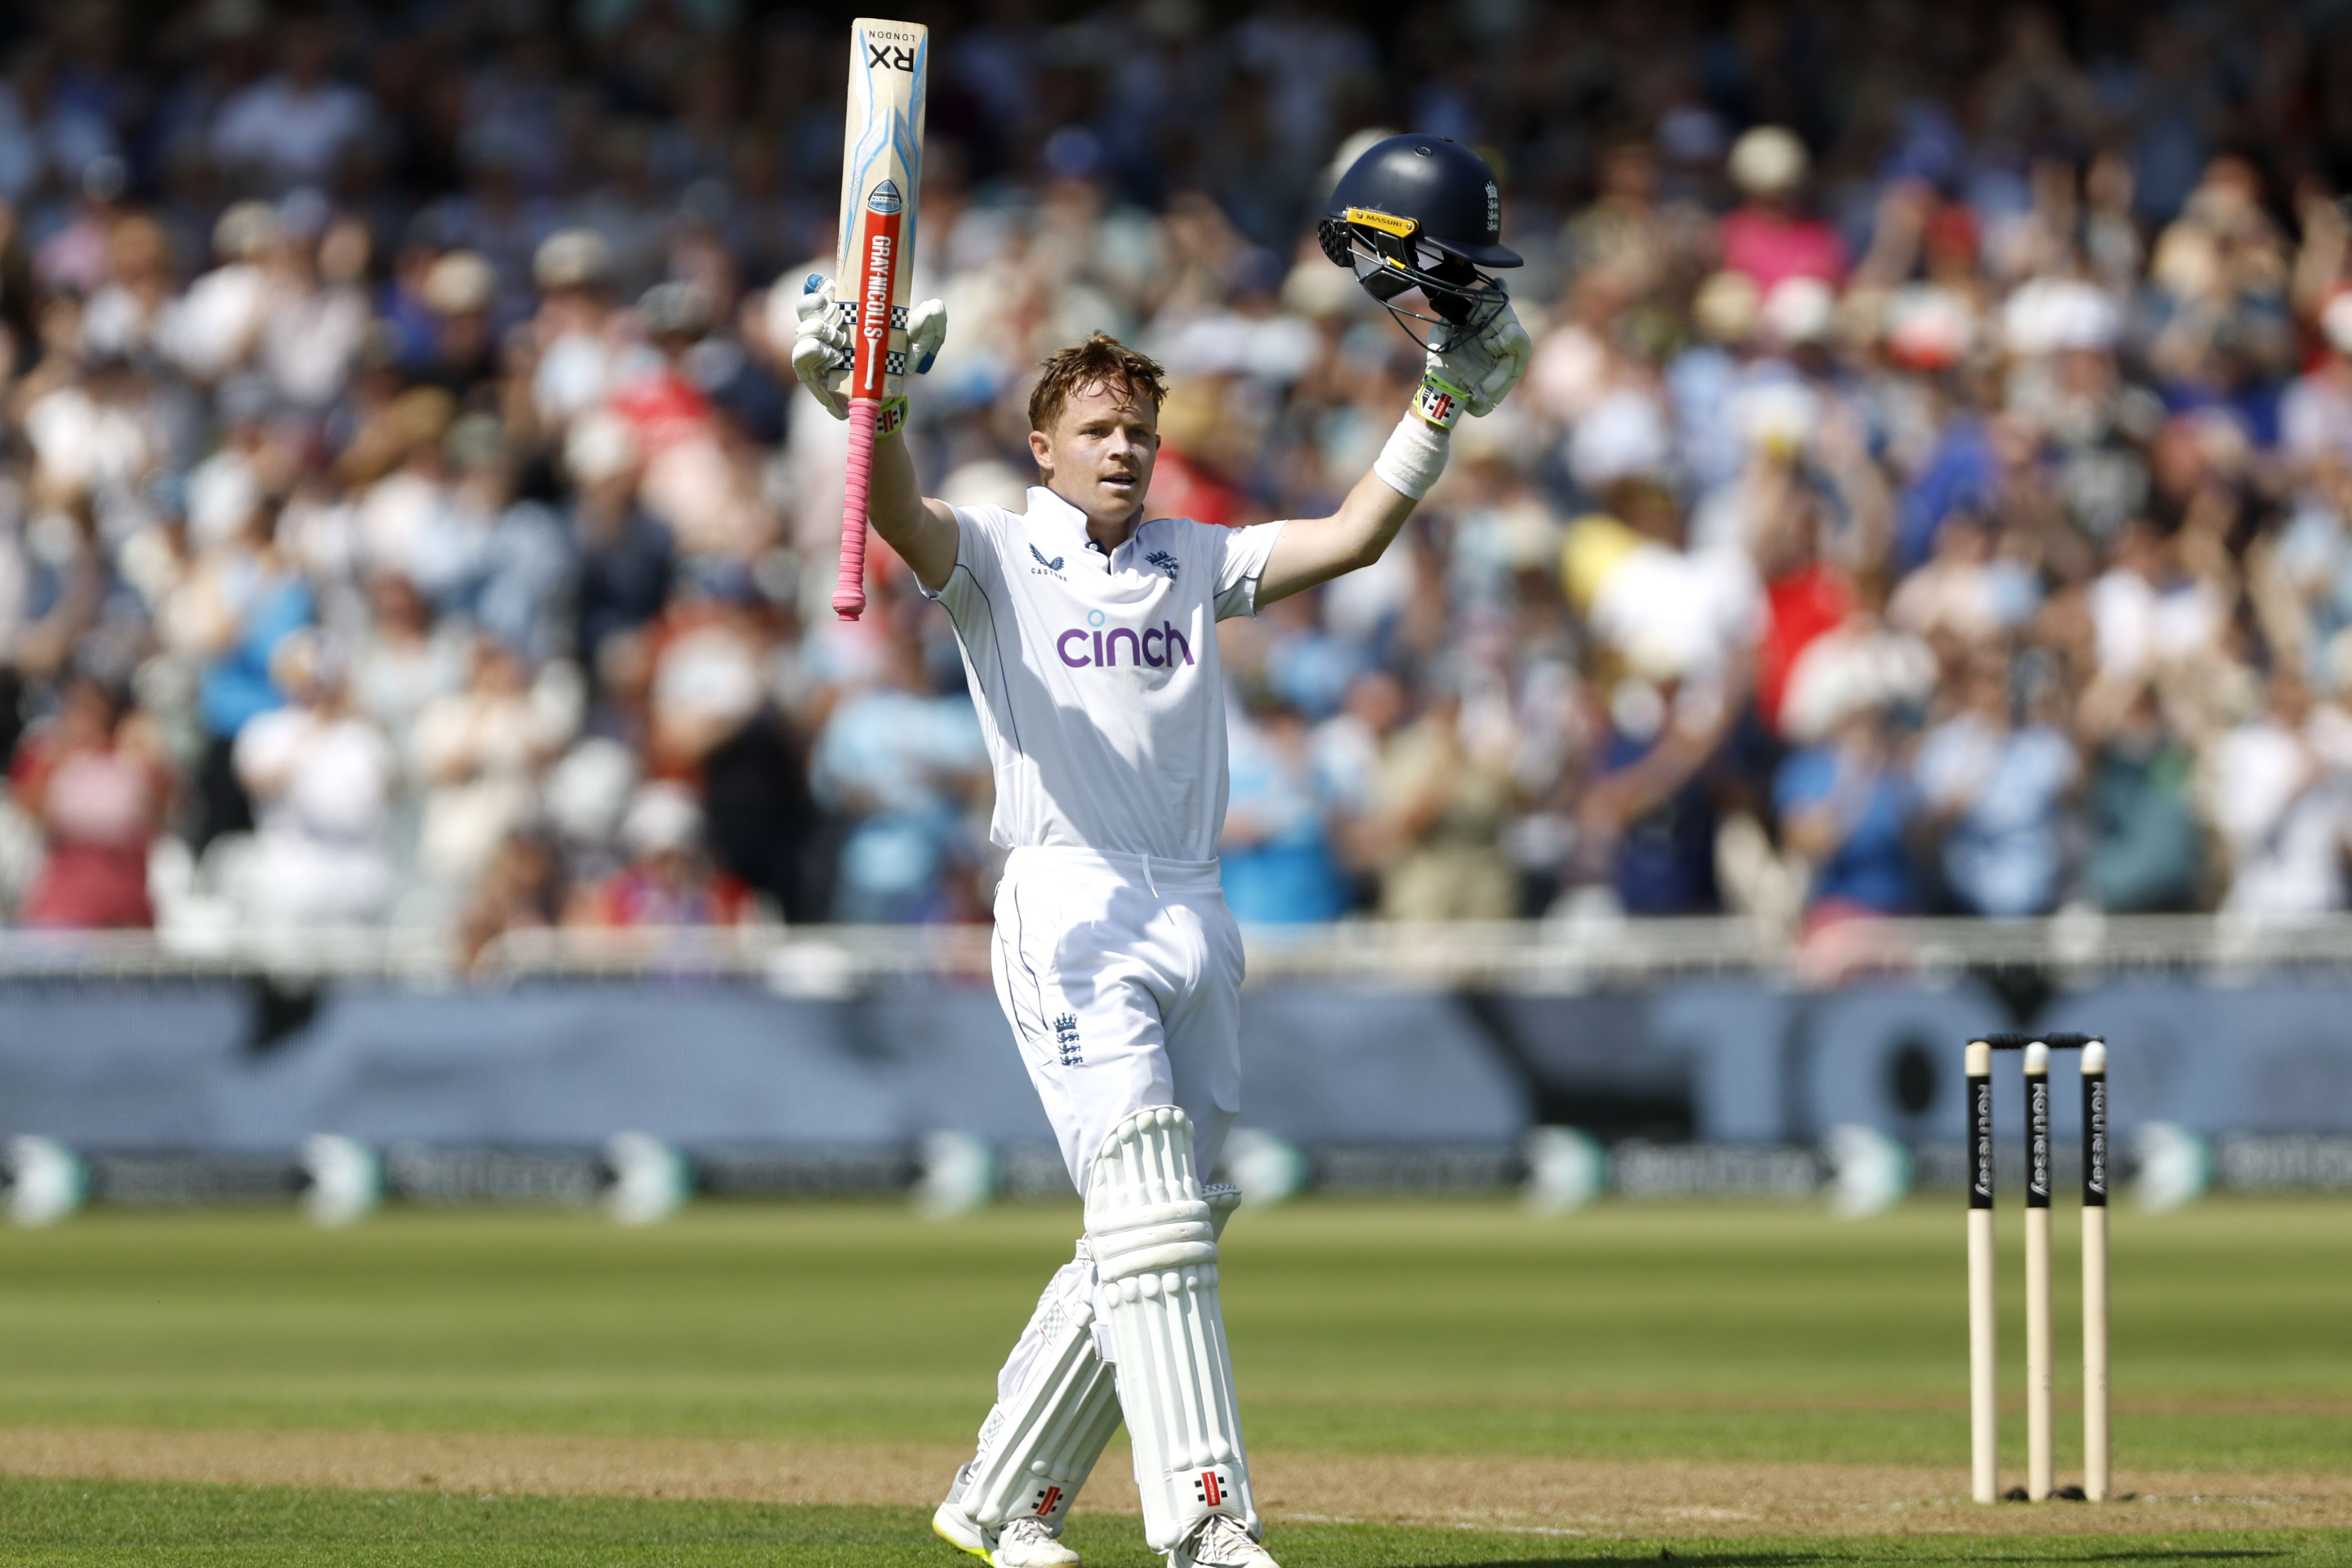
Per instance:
(1420,212)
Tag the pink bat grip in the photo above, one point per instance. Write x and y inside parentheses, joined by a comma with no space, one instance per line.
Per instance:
(849,593)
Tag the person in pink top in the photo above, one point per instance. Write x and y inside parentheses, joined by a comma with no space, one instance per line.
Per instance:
(95,778)
(1769,235)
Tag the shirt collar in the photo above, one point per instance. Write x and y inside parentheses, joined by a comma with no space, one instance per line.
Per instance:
(1062,528)
(1055,520)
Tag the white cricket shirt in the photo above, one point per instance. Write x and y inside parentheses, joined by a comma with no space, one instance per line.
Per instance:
(1096,679)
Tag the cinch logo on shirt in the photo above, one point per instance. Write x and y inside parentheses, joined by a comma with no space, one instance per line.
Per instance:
(1159,646)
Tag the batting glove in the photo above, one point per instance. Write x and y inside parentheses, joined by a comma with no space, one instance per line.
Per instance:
(824,348)
(927,331)
(821,347)
(1474,370)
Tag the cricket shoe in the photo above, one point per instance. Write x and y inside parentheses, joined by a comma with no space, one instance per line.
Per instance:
(1221,1542)
(1021,1543)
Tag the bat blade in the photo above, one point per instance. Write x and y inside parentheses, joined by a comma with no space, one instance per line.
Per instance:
(881,171)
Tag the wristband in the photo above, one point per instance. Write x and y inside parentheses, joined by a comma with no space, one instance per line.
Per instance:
(1415,454)
(1439,402)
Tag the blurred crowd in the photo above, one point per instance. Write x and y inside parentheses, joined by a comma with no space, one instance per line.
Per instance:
(1931,492)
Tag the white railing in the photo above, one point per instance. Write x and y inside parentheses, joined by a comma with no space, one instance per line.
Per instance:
(1547,956)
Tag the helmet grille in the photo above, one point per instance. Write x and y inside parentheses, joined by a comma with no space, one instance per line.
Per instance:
(1331,234)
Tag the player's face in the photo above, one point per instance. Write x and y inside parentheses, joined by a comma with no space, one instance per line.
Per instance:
(1099,456)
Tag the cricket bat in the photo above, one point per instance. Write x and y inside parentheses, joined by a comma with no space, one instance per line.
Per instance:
(881,165)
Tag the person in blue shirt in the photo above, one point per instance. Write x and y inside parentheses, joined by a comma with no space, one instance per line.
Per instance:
(1848,806)
(900,761)
(1276,849)
(1999,790)
(254,600)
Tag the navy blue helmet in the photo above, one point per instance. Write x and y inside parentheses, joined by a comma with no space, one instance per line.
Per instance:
(1422,212)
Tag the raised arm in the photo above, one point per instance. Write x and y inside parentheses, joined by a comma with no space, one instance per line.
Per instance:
(1312,550)
(1469,375)
(922,531)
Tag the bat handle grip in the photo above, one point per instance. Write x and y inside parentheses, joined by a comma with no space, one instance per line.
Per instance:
(849,592)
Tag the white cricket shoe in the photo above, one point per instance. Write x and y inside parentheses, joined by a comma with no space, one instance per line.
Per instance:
(1022,1543)
(1221,1541)
(1030,1543)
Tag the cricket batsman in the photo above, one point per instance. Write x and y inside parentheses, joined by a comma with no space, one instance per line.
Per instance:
(1089,639)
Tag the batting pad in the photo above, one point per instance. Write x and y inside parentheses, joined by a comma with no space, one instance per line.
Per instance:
(1040,1444)
(1043,1439)
(1155,1249)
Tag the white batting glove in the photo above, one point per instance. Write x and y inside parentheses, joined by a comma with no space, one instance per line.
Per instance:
(1474,370)
(824,346)
(821,347)
(927,331)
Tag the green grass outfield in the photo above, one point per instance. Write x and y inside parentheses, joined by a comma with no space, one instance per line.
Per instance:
(51,1524)
(1462,1328)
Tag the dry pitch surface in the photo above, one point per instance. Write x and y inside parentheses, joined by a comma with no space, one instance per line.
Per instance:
(1579,1496)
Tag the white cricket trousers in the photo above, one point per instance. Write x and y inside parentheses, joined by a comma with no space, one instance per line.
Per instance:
(1122,977)
(1123,984)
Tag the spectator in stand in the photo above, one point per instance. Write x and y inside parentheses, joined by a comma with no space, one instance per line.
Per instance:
(576,335)
(1993,790)
(2315,411)
(404,661)
(301,125)
(2149,612)
(523,891)
(670,880)
(1647,820)
(900,763)
(1769,237)
(1437,812)
(462,358)
(321,778)
(2147,848)
(2278,788)
(479,753)
(1347,750)
(1849,808)
(229,615)
(625,554)
(317,311)
(2311,602)
(128,312)
(96,780)
(210,331)
(1275,852)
